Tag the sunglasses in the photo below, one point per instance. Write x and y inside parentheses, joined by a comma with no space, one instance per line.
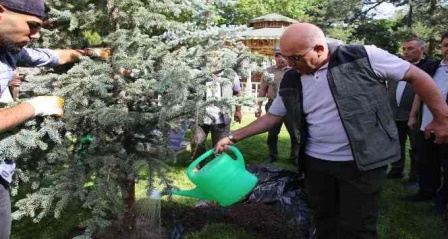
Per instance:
(295,58)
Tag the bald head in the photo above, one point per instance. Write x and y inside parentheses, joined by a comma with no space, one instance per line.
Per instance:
(303,35)
(304,46)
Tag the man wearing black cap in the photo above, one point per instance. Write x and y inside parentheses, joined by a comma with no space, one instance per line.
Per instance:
(20,21)
(270,83)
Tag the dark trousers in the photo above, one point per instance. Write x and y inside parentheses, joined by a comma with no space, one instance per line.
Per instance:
(218,131)
(432,163)
(343,199)
(405,132)
(5,213)
(273,133)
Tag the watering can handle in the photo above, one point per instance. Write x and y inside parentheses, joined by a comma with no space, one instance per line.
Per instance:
(239,158)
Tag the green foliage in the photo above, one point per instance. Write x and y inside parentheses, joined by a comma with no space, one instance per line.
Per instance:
(172,47)
(93,38)
(328,13)
(127,118)
(397,218)
(341,33)
(379,33)
(245,10)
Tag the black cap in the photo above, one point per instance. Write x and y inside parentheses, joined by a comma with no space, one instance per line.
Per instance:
(30,7)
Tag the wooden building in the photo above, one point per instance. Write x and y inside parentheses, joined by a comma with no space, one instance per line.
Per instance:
(265,33)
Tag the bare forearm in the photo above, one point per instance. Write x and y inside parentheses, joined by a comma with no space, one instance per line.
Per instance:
(260,125)
(14,116)
(70,55)
(238,106)
(262,93)
(427,90)
(415,106)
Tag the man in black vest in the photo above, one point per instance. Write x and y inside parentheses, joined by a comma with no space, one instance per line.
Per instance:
(339,104)
(401,97)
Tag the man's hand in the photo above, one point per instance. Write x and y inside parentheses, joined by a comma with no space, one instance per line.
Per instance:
(258,112)
(103,53)
(412,122)
(16,81)
(438,127)
(47,105)
(223,145)
(237,116)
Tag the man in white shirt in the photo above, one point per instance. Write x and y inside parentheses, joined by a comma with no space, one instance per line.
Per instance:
(432,156)
(216,120)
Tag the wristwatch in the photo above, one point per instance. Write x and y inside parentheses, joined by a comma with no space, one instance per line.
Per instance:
(230,136)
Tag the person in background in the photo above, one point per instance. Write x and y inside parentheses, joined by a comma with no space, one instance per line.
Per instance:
(14,54)
(401,97)
(217,120)
(339,104)
(432,156)
(269,89)
(20,22)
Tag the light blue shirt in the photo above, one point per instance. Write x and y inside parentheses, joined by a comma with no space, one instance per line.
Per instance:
(27,57)
(400,89)
(441,80)
(8,63)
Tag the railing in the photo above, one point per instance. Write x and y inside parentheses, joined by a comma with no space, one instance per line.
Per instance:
(253,91)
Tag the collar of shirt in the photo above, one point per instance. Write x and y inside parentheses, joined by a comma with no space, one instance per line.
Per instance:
(282,68)
(442,63)
(322,68)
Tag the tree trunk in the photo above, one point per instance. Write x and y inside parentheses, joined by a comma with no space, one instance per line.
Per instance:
(129,220)
(409,23)
(432,40)
(207,16)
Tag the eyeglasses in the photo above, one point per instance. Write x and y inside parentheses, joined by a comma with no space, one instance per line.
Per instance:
(295,58)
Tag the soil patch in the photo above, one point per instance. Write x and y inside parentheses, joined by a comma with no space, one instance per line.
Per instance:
(262,220)
(258,219)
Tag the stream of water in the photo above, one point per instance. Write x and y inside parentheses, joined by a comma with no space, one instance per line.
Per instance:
(148,211)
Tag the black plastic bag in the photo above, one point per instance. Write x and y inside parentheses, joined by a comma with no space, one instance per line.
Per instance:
(283,188)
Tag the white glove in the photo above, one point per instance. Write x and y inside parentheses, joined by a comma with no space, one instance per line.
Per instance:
(47,105)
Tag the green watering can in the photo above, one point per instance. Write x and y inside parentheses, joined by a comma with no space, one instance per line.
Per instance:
(223,179)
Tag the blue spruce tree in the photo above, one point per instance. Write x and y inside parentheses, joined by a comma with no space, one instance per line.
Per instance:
(118,110)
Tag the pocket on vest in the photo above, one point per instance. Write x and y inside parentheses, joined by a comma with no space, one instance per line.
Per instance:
(374,137)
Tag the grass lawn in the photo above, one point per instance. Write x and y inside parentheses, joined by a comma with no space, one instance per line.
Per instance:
(397,219)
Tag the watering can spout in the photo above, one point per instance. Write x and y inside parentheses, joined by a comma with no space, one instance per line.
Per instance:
(194,193)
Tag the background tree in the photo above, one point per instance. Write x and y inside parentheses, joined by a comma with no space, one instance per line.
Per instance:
(245,10)
(379,33)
